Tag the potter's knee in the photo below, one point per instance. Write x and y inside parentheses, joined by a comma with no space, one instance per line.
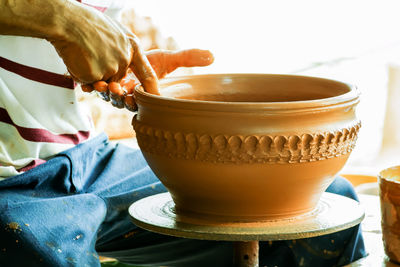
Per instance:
(342,186)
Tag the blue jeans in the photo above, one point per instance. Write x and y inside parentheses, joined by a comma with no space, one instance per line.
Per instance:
(72,208)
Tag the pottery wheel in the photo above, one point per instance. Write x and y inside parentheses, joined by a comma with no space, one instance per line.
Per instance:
(333,213)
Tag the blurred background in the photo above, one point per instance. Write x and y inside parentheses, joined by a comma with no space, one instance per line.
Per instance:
(357,42)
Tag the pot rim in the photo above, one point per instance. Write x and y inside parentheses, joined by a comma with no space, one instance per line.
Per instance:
(388,174)
(349,98)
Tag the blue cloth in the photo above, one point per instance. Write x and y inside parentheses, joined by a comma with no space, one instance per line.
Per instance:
(73,207)
(336,249)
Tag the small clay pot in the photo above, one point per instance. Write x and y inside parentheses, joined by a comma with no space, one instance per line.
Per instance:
(389,192)
(247,146)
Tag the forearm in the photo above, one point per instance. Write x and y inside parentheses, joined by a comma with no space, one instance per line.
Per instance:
(93,46)
(46,19)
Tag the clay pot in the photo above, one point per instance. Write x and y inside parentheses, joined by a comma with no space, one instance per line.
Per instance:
(389,193)
(247,146)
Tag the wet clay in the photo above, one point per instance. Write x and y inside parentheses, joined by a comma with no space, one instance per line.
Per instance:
(389,186)
(247,146)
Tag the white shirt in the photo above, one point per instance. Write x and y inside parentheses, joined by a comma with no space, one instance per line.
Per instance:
(39,113)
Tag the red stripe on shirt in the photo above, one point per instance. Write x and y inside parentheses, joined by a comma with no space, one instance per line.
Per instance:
(42,135)
(34,163)
(99,8)
(36,74)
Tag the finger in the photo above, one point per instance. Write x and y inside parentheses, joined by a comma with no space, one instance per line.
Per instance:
(100,86)
(143,70)
(130,103)
(102,89)
(165,62)
(162,62)
(116,94)
(115,88)
(87,88)
(130,86)
(194,58)
(129,82)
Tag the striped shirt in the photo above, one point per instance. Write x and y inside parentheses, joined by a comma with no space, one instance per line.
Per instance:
(39,112)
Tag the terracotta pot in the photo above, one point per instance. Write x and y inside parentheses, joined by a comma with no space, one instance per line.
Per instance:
(389,193)
(248,146)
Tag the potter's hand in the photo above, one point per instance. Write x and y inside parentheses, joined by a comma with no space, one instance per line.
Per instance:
(100,49)
(92,46)
(163,63)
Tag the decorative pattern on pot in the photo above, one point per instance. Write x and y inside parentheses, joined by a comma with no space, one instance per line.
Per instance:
(239,149)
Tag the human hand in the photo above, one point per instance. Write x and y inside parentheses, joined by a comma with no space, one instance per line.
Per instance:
(163,62)
(97,48)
